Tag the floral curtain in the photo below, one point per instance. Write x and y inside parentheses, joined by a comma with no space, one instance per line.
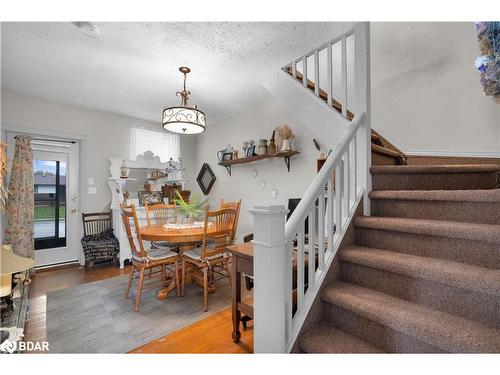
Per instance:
(20,206)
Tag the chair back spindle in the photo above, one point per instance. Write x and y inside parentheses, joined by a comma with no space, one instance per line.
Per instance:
(236,205)
(128,214)
(96,222)
(161,213)
(221,231)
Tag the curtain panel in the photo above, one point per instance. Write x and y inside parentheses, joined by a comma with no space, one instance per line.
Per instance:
(162,144)
(20,206)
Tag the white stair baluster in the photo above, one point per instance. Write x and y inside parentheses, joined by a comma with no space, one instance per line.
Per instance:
(329,88)
(316,72)
(300,267)
(343,94)
(312,248)
(321,228)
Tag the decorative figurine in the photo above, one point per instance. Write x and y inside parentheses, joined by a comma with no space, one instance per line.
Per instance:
(124,171)
(244,147)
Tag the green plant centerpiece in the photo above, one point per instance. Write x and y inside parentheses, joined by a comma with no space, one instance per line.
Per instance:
(192,210)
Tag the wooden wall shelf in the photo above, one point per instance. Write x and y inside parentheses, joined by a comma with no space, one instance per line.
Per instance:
(285,155)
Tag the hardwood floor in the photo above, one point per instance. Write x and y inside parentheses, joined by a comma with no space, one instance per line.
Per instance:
(210,335)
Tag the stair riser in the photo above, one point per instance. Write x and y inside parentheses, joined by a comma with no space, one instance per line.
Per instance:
(468,304)
(476,253)
(374,333)
(467,212)
(379,159)
(436,181)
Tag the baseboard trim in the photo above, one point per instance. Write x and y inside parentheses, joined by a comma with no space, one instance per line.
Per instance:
(456,154)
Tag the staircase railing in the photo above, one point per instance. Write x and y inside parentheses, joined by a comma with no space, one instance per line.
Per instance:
(328,72)
(292,258)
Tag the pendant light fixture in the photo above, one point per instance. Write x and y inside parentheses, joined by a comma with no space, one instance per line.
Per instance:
(183,119)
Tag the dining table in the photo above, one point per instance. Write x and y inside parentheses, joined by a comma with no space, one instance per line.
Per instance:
(185,235)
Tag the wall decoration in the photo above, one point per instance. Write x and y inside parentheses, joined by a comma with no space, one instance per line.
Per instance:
(274,193)
(488,64)
(206,178)
(149,197)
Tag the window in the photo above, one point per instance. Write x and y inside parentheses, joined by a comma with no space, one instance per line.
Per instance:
(164,145)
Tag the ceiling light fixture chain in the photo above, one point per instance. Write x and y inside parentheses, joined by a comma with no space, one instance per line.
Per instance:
(184,93)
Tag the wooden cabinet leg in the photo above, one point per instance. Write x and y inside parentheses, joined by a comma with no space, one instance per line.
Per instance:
(236,298)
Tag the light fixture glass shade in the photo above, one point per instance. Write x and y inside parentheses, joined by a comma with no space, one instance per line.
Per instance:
(183,120)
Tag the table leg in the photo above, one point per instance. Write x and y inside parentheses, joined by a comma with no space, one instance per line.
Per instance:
(236,298)
(163,293)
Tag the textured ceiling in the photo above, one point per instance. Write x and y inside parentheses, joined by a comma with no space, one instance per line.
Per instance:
(131,68)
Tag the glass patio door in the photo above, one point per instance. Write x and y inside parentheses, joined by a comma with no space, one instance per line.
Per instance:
(55,170)
(50,201)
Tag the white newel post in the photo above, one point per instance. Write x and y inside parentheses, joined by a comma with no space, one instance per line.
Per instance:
(269,279)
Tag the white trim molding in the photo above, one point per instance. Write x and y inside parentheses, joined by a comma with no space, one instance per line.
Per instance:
(437,153)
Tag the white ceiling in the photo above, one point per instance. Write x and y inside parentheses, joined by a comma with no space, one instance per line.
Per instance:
(132,68)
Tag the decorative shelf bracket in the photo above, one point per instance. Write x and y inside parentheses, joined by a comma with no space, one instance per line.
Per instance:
(228,169)
(287,162)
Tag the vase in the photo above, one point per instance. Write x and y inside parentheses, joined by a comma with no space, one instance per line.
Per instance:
(262,150)
(188,220)
(272,147)
(286,146)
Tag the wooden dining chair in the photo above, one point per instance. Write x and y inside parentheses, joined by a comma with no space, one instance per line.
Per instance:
(162,214)
(143,260)
(211,256)
(236,205)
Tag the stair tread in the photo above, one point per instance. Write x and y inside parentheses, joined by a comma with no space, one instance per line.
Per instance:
(324,338)
(448,332)
(479,195)
(462,275)
(469,231)
(385,151)
(434,169)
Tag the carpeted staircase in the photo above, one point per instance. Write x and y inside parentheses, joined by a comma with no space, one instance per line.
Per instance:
(423,275)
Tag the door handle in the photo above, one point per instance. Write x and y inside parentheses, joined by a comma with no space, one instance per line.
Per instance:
(74,210)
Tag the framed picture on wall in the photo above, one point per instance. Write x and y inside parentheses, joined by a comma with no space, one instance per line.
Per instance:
(149,197)
(206,178)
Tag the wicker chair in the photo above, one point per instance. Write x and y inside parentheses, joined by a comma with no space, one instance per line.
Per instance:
(98,242)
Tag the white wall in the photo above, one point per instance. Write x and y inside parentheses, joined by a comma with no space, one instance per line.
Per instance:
(257,123)
(425,90)
(106,134)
